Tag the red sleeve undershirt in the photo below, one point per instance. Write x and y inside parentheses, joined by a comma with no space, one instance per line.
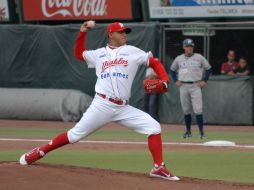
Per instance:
(158,68)
(80,46)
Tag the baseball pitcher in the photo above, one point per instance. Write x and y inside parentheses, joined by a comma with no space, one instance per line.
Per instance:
(116,65)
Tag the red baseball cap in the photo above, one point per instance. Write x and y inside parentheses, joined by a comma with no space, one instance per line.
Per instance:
(117,27)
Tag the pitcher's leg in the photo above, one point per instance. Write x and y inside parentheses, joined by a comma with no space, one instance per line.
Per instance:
(55,143)
(39,152)
(143,123)
(155,147)
(88,124)
(137,120)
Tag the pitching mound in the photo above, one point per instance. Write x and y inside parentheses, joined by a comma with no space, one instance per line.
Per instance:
(44,176)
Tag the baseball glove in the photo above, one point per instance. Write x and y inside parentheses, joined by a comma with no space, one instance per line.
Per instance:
(154,86)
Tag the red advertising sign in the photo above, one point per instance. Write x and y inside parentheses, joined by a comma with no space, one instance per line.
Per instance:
(76,9)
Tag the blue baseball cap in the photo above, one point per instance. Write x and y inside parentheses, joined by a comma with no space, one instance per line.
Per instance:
(188,42)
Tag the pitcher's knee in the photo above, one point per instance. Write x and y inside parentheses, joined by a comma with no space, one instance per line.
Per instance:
(73,138)
(155,128)
(75,135)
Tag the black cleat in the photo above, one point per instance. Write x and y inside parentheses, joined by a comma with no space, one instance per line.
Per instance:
(187,134)
(202,135)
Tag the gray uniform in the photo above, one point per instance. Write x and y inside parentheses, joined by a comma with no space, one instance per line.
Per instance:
(190,70)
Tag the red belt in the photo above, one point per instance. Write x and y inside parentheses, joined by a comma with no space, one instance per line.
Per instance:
(115,101)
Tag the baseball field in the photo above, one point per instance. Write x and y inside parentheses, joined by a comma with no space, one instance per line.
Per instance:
(117,158)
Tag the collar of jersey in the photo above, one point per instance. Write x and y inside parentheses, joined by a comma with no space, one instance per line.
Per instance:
(113,47)
(188,56)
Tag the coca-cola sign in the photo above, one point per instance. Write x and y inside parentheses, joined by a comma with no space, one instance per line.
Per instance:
(76,9)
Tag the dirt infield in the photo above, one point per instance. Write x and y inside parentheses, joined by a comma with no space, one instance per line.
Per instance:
(44,176)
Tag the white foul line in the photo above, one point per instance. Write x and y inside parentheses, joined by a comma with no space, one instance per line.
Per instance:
(123,142)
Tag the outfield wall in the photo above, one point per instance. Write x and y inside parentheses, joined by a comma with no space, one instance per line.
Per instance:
(34,57)
(42,104)
(227,100)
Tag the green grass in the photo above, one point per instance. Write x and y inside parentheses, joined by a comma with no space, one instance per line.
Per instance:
(228,166)
(171,136)
(237,137)
(28,132)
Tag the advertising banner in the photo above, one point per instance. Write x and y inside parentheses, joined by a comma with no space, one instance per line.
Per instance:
(4,11)
(76,9)
(163,9)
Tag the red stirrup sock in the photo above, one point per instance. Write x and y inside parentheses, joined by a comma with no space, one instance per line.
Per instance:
(155,147)
(57,142)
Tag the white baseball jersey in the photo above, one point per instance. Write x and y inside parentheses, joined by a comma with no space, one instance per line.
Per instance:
(116,68)
(190,68)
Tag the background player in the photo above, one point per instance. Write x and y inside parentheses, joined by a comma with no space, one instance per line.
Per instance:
(187,72)
(116,66)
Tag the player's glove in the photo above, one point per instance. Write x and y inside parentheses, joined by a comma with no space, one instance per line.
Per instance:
(154,86)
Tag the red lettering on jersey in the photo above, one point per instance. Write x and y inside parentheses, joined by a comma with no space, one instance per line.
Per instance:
(115,62)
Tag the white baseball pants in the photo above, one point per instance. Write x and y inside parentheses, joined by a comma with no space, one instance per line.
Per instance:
(191,97)
(102,111)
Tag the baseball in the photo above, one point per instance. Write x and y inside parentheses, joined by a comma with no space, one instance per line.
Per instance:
(90,24)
